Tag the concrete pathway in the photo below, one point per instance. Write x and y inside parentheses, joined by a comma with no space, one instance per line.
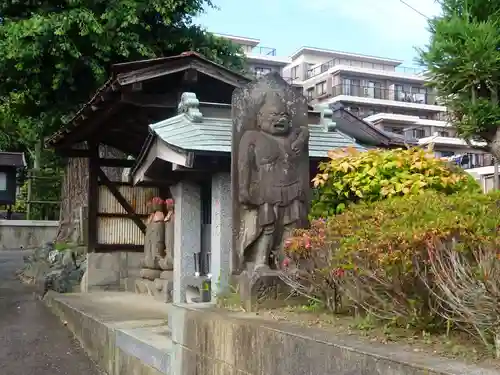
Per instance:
(32,340)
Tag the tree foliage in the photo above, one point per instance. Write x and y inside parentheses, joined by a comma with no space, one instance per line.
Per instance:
(463,61)
(55,53)
(351,176)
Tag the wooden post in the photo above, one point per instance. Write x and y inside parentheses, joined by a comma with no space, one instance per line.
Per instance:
(93,197)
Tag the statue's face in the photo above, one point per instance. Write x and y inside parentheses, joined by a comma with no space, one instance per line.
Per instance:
(274,118)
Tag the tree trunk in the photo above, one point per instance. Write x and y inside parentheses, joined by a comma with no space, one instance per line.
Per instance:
(75,189)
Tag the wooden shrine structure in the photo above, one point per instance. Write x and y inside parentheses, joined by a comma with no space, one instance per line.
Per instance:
(118,116)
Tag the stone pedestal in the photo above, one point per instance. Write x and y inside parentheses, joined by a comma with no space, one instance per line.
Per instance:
(160,287)
(111,271)
(150,274)
(261,286)
(221,236)
(187,237)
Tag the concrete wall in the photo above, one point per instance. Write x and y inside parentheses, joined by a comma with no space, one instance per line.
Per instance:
(15,234)
(206,341)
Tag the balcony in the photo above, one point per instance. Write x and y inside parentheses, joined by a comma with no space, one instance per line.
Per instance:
(411,97)
(467,160)
(264,51)
(375,92)
(358,64)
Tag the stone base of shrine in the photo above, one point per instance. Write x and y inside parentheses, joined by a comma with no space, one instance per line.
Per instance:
(161,288)
(116,271)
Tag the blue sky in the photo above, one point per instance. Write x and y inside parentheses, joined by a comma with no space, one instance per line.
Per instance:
(386,28)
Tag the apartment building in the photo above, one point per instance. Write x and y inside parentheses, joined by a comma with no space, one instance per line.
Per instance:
(380,91)
(261,59)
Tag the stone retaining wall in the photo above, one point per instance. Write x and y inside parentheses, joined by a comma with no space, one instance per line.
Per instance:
(126,334)
(115,345)
(217,342)
(26,234)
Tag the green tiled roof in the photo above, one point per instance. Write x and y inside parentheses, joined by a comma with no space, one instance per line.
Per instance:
(192,131)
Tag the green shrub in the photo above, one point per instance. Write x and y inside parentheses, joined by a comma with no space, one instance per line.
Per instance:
(381,255)
(351,176)
(395,229)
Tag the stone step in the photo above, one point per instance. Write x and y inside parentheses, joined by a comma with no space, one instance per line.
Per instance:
(124,333)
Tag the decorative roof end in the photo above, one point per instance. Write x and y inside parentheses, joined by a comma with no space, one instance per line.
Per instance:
(189,105)
(327,120)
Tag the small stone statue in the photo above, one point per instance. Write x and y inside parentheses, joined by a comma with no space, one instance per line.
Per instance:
(270,171)
(166,263)
(154,242)
(156,274)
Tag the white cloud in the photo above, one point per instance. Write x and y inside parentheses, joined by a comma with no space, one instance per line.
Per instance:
(392,20)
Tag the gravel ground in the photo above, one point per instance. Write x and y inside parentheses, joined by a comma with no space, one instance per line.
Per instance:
(32,340)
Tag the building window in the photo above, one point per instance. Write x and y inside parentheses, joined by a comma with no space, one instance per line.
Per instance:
(321,88)
(418,133)
(373,90)
(310,93)
(396,130)
(311,71)
(346,86)
(441,116)
(260,71)
(418,94)
(446,154)
(3,181)
(444,134)
(419,90)
(399,93)
(295,72)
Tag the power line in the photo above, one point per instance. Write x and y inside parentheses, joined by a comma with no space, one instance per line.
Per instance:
(415,10)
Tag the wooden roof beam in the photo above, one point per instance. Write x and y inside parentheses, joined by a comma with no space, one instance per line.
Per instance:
(141,99)
(84,133)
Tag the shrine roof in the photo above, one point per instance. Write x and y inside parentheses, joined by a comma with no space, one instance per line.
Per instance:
(364,131)
(141,92)
(207,127)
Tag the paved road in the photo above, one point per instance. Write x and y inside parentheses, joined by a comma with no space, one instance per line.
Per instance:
(32,340)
